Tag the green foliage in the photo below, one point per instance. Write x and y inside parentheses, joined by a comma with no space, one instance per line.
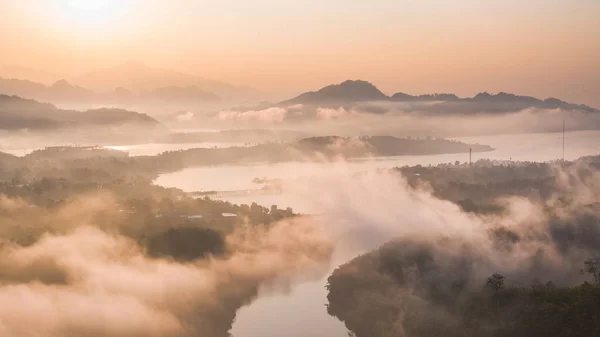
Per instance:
(373,304)
(186,243)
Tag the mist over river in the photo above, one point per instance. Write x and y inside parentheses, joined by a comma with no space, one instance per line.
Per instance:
(301,311)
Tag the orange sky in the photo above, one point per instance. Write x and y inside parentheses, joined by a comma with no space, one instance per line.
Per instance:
(542,48)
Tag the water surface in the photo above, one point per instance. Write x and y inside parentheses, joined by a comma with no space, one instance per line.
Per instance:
(302,312)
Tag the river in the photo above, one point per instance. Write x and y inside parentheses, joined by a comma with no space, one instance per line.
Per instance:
(301,312)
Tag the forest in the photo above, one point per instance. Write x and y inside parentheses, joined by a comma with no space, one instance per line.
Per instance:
(507,276)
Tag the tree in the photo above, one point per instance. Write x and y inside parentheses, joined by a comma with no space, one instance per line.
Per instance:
(592,266)
(495,282)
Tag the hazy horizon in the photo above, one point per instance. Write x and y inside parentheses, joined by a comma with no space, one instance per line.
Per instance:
(283,48)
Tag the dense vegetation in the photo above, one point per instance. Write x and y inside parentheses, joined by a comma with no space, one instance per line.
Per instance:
(54,190)
(102,165)
(535,278)
(17,113)
(400,290)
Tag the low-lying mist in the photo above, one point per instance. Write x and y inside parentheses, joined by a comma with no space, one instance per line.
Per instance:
(81,278)
(399,119)
(431,253)
(82,267)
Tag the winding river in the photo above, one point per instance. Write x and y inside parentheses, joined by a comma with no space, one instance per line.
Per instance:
(301,312)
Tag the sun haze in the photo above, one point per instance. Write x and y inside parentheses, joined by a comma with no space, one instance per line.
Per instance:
(539,48)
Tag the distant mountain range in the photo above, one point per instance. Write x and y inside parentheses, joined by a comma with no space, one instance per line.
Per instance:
(349,92)
(18,113)
(128,83)
(59,91)
(139,77)
(64,92)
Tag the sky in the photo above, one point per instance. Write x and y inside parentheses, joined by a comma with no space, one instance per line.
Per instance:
(538,47)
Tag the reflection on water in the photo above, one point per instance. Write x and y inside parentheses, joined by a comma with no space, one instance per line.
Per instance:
(149,149)
(157,148)
(302,312)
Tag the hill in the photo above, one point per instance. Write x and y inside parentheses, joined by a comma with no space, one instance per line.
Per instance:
(319,148)
(139,77)
(59,91)
(486,102)
(189,94)
(345,92)
(64,92)
(384,146)
(18,113)
(350,92)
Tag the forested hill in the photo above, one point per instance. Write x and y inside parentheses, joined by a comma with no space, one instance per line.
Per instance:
(18,113)
(92,159)
(317,148)
(508,276)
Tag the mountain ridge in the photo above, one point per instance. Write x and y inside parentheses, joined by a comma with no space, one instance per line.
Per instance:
(63,91)
(19,113)
(349,90)
(354,91)
(139,77)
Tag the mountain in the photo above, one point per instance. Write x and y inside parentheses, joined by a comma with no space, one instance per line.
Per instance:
(188,94)
(34,75)
(345,92)
(349,92)
(60,91)
(527,101)
(64,92)
(502,103)
(18,113)
(139,77)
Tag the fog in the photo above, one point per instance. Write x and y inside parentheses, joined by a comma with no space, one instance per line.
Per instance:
(82,278)
(31,125)
(401,119)
(364,211)
(80,225)
(75,266)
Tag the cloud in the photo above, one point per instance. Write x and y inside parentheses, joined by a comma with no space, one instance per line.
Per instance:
(296,107)
(185,116)
(367,209)
(84,280)
(432,242)
(328,113)
(269,115)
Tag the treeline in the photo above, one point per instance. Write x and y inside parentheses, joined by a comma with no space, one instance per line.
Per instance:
(410,289)
(538,277)
(479,187)
(376,297)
